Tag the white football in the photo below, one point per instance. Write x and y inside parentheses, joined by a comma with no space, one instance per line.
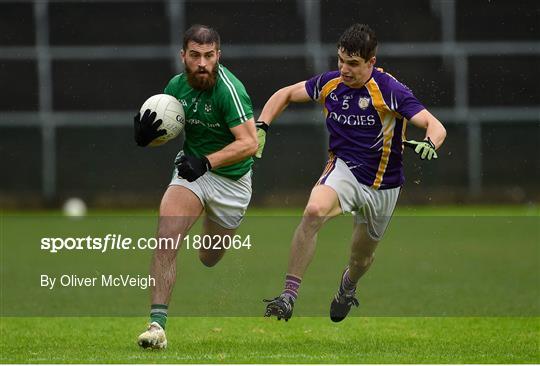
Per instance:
(170,111)
(74,207)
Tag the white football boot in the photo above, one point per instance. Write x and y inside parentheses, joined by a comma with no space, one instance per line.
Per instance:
(153,337)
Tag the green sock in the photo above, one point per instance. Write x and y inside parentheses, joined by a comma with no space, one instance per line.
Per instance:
(158,314)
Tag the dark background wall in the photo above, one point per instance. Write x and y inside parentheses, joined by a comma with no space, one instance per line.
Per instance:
(100,163)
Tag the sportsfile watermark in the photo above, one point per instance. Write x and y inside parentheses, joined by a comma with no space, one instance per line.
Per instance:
(424,266)
(119,242)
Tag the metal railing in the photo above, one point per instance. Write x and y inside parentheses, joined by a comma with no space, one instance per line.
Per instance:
(316,53)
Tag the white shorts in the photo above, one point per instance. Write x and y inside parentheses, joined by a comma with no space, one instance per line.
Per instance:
(370,206)
(225,200)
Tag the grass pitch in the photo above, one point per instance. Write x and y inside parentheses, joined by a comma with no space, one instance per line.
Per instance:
(453,286)
(259,340)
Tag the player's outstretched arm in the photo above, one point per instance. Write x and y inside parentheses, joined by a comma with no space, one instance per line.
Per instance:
(277,103)
(435,135)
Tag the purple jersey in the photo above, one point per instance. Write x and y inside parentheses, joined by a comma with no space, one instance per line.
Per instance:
(367,124)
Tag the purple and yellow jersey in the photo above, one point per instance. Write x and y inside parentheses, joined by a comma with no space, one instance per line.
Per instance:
(367,124)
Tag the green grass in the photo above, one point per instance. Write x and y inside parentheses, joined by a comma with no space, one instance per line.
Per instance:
(259,340)
(449,285)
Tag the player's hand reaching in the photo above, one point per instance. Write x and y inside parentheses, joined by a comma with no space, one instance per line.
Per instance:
(426,148)
(146,130)
(192,167)
(262,129)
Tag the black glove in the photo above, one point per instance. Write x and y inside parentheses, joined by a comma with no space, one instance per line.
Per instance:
(191,167)
(146,130)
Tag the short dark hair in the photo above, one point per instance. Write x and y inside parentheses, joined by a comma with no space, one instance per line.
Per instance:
(201,34)
(358,40)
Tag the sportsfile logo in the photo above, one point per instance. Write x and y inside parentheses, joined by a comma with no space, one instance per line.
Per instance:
(116,242)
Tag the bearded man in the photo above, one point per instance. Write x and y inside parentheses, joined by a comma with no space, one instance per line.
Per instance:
(212,171)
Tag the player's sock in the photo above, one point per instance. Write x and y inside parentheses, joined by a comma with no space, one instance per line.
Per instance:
(347,285)
(292,283)
(158,314)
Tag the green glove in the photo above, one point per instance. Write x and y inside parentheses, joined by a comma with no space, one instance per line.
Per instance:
(426,148)
(262,129)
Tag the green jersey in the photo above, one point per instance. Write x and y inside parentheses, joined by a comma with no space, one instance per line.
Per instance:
(210,114)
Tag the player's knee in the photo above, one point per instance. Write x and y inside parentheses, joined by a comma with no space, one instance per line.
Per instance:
(171,227)
(313,218)
(167,239)
(314,210)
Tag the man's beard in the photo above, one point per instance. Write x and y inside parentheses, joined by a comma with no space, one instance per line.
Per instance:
(202,83)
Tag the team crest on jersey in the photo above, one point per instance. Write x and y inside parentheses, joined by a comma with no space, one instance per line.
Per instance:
(207,108)
(363,102)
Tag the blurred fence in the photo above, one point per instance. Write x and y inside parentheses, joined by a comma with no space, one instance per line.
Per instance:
(74,73)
